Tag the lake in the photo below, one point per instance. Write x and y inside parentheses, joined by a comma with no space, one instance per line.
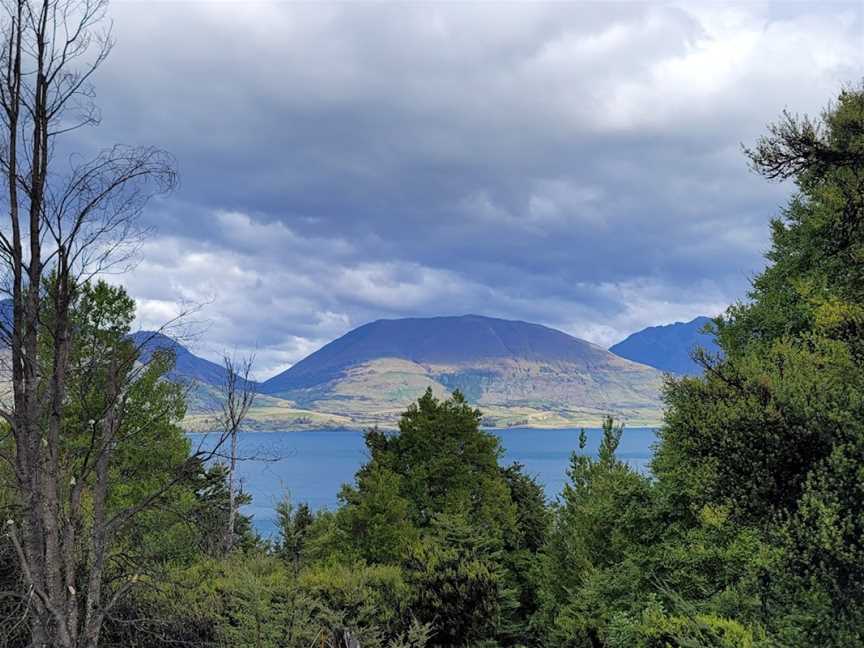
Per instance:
(311,466)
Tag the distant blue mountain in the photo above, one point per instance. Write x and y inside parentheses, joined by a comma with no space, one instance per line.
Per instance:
(668,347)
(436,340)
(187,365)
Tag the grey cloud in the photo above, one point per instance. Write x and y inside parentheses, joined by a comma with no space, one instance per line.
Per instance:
(573,164)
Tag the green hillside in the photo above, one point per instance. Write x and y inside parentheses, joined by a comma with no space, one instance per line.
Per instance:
(520,374)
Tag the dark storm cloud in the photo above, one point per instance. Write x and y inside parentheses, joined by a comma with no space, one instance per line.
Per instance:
(573,164)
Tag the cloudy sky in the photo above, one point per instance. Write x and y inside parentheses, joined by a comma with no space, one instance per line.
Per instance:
(576,164)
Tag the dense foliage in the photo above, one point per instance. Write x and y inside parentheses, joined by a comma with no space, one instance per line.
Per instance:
(748,532)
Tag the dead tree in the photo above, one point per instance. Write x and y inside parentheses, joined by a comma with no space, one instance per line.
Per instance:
(68,221)
(238,394)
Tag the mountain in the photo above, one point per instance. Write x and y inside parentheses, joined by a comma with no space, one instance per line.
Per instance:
(668,347)
(187,365)
(435,341)
(204,397)
(518,373)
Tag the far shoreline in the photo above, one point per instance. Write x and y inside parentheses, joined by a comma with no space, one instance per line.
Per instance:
(290,429)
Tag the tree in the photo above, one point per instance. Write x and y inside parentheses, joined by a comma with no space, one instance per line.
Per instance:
(120,476)
(238,395)
(67,224)
(440,462)
(772,436)
(434,500)
(459,582)
(443,463)
(605,516)
(294,526)
(814,279)
(209,510)
(376,519)
(522,550)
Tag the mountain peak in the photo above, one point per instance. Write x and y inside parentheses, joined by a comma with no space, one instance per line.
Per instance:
(187,366)
(456,339)
(667,347)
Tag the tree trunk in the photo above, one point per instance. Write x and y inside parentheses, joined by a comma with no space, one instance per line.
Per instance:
(39,42)
(232,493)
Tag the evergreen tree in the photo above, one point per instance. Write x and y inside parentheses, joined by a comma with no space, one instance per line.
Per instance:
(434,500)
(772,433)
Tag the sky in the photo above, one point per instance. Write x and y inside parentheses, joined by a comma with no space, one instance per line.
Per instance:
(577,165)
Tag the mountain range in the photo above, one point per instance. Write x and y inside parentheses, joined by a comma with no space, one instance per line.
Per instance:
(517,373)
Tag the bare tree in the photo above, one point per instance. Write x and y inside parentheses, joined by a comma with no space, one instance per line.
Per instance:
(67,223)
(238,394)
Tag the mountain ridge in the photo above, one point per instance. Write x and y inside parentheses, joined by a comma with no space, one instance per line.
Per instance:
(516,372)
(432,340)
(668,347)
(187,365)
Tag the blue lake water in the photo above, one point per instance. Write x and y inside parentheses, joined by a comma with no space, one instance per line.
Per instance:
(311,466)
